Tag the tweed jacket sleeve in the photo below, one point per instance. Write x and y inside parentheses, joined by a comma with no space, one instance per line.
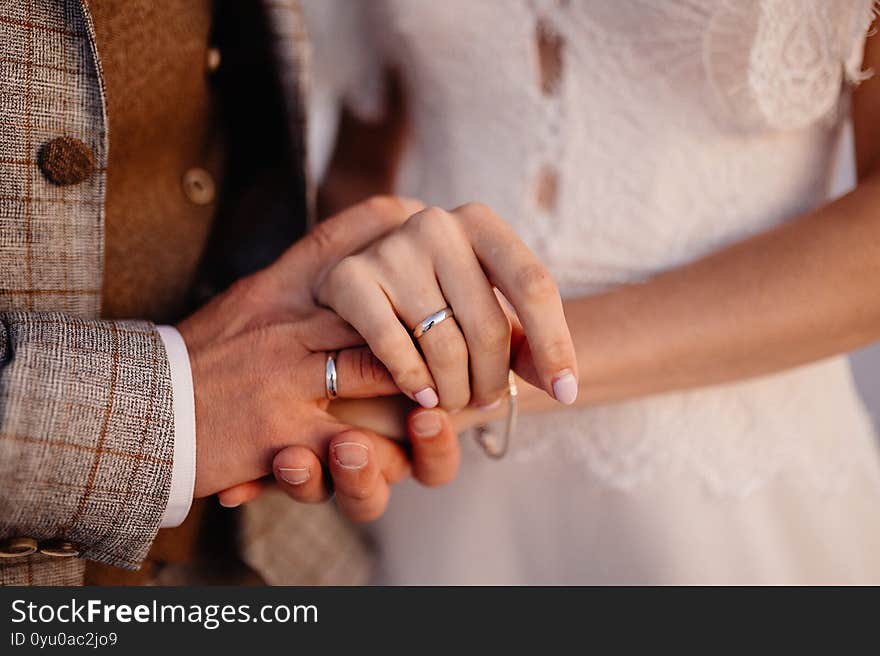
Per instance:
(86,414)
(86,433)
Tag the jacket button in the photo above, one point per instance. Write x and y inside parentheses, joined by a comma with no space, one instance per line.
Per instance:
(198,185)
(66,161)
(15,547)
(59,549)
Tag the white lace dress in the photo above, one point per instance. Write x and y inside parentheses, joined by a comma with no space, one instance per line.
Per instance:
(622,138)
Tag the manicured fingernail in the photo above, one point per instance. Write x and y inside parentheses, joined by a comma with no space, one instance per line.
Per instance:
(228,505)
(490,406)
(565,387)
(351,455)
(426,424)
(294,475)
(427,398)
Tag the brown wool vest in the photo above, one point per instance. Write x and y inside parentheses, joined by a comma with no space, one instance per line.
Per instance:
(196,198)
(163,129)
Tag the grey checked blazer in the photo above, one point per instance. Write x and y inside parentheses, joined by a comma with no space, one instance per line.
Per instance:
(86,426)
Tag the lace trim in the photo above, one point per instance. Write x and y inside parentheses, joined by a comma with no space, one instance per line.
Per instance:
(780,64)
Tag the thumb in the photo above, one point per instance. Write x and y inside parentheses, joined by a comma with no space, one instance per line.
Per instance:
(343,234)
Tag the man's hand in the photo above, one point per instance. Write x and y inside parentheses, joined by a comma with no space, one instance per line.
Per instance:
(363,466)
(258,354)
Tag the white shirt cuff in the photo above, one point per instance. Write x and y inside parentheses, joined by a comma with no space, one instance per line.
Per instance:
(183,471)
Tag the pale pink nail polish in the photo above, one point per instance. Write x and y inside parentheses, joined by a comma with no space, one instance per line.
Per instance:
(427,398)
(565,387)
(489,407)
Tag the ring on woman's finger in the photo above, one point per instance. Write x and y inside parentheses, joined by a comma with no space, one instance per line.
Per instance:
(330,375)
(432,320)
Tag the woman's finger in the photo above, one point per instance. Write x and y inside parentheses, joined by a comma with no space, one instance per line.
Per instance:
(446,353)
(409,279)
(435,448)
(530,288)
(351,291)
(477,310)
(298,472)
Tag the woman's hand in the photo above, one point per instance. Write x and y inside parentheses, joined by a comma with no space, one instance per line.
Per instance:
(438,259)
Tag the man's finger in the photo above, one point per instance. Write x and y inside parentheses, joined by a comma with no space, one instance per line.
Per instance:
(359,375)
(435,448)
(243,492)
(324,330)
(345,233)
(298,472)
(362,492)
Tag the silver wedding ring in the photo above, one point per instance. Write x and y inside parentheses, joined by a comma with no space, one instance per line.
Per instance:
(432,320)
(330,375)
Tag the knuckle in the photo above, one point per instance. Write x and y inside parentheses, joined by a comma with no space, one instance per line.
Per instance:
(478,214)
(535,283)
(430,221)
(341,276)
(475,209)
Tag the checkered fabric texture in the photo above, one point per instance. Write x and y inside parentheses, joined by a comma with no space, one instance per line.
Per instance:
(86,423)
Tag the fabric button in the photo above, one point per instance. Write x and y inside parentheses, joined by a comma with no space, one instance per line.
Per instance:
(213,59)
(59,549)
(66,161)
(15,547)
(198,185)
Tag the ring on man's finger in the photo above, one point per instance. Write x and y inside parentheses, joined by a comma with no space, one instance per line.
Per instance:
(330,375)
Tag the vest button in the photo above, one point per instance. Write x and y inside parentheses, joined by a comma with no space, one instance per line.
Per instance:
(59,549)
(15,547)
(198,185)
(66,161)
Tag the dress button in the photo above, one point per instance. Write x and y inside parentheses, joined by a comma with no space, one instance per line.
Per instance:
(198,185)
(15,547)
(213,59)
(66,161)
(59,549)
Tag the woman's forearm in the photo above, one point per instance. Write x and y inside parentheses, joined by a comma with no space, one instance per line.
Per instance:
(801,292)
